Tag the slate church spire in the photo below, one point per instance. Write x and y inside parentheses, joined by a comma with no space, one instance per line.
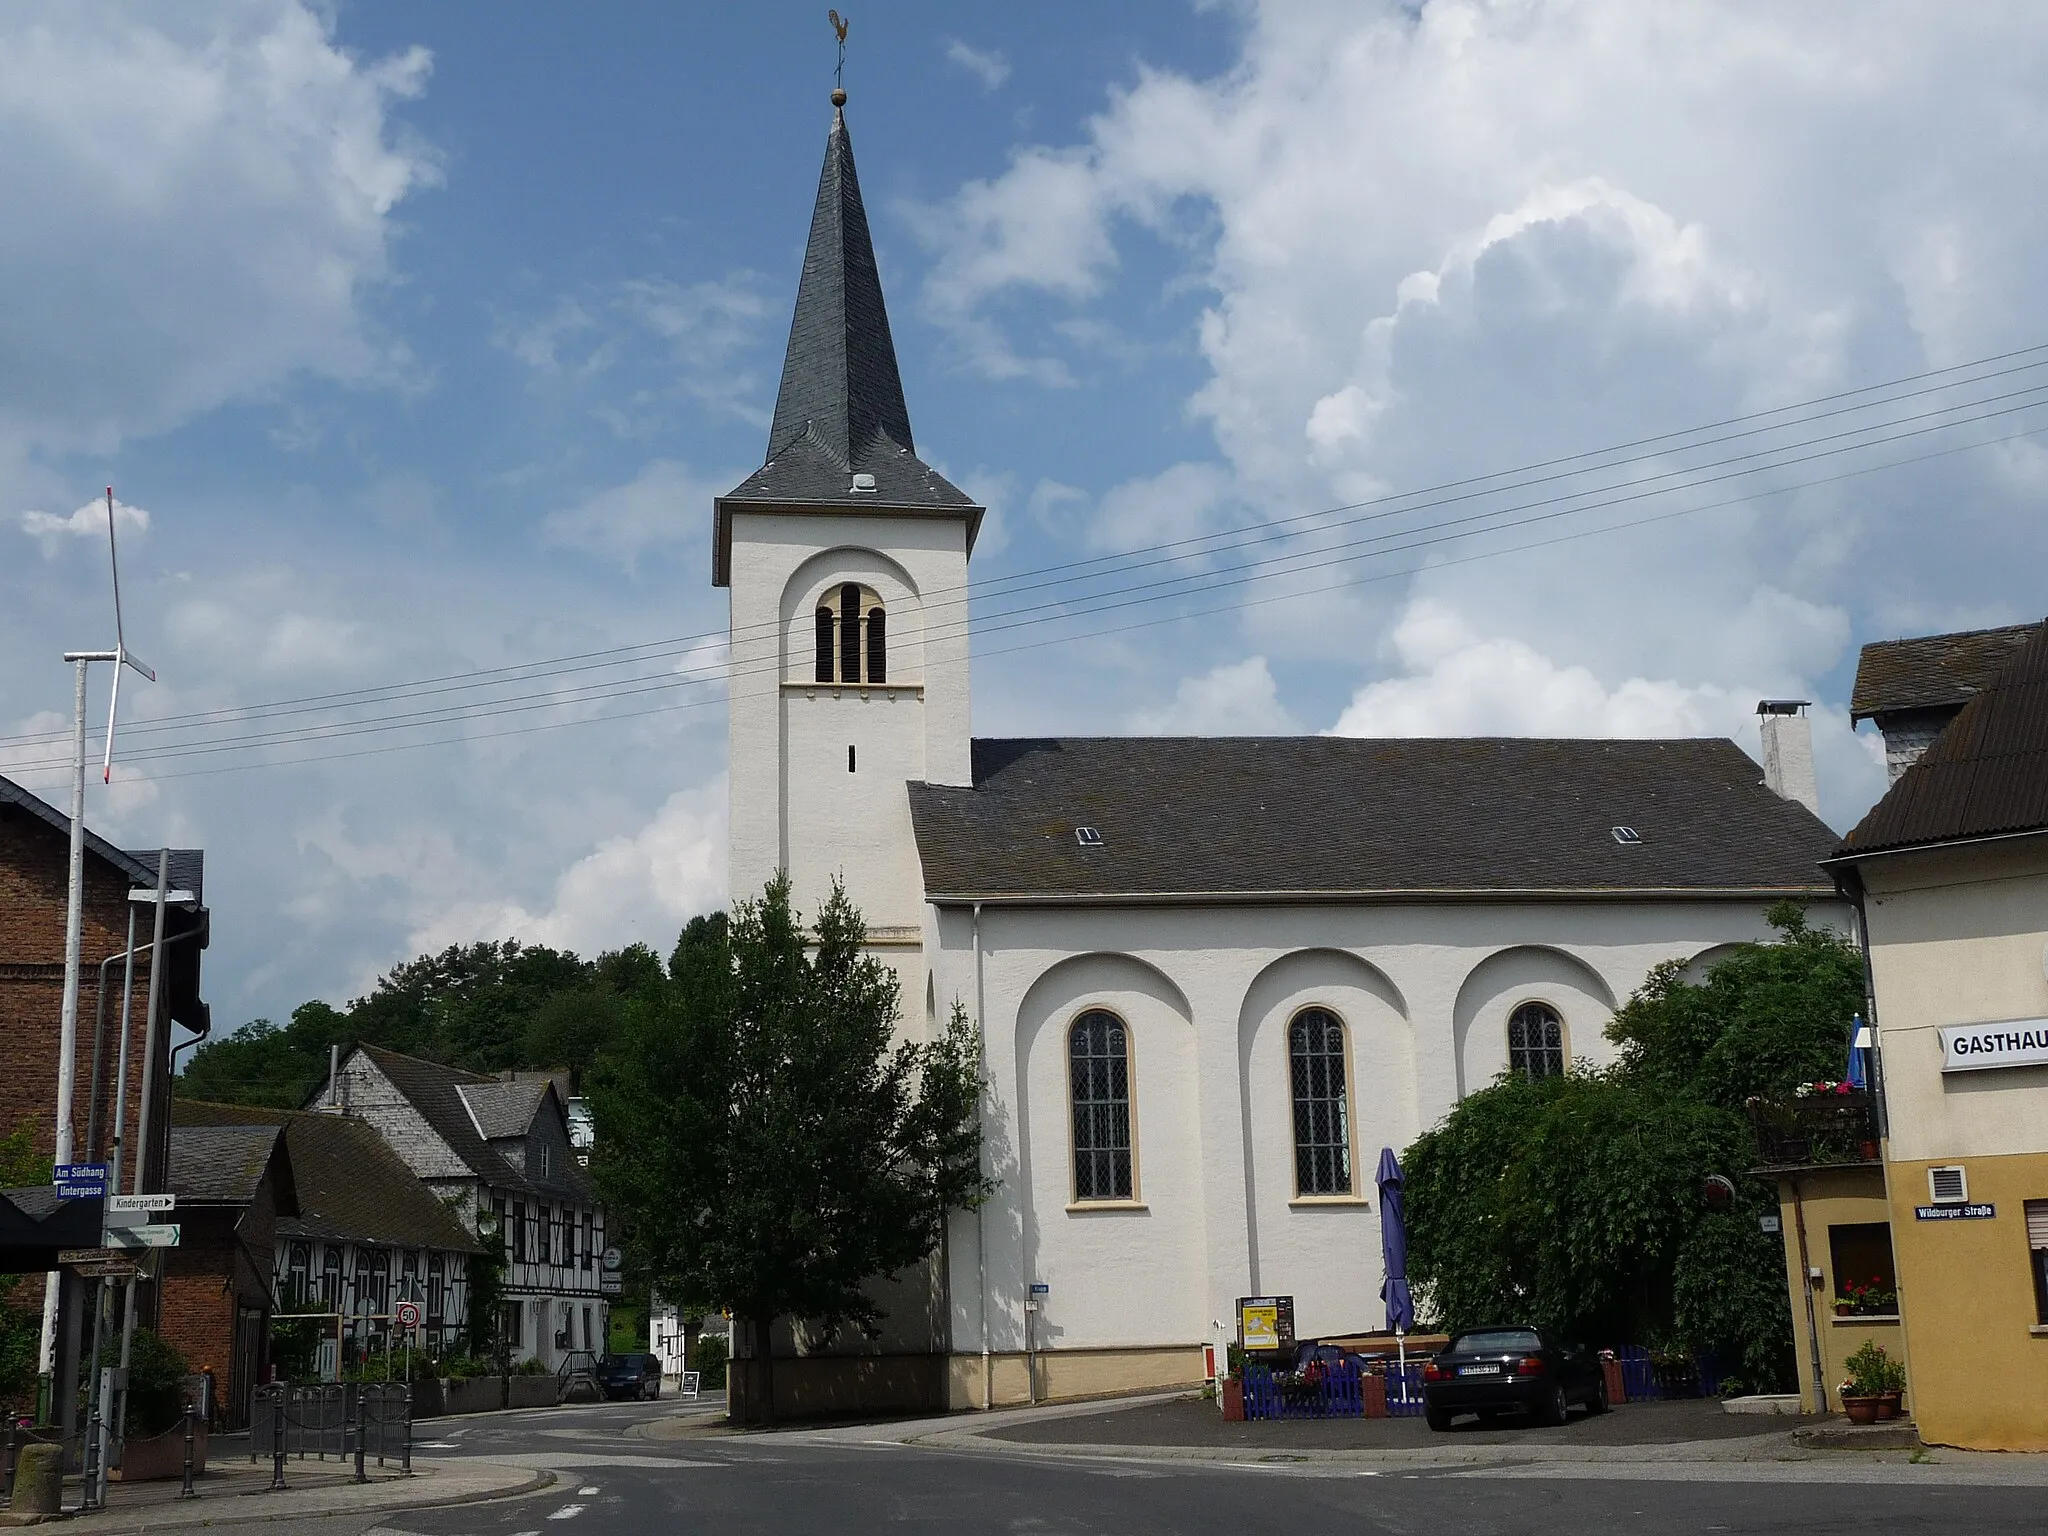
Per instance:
(839,380)
(841,433)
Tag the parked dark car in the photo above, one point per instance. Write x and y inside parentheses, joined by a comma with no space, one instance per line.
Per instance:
(630,1375)
(1492,1371)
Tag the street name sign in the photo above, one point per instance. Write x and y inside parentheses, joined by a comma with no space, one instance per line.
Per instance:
(143,1237)
(135,1210)
(1980,1212)
(79,1181)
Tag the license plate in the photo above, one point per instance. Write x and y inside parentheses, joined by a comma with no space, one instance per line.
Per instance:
(1478,1370)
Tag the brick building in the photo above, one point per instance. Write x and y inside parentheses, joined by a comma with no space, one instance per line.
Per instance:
(34,855)
(234,1185)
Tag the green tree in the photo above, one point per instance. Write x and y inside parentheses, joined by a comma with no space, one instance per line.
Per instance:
(1576,1202)
(21,1296)
(768,1148)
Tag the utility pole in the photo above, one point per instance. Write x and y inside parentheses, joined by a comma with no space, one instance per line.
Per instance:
(74,919)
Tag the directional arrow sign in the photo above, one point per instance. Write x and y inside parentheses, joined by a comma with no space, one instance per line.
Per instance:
(142,1202)
(142,1237)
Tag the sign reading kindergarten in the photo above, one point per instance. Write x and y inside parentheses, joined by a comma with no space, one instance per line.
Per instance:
(1977,1047)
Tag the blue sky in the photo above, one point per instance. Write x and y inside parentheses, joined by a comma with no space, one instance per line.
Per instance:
(419,339)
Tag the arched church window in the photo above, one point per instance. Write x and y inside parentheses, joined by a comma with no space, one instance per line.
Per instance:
(826,671)
(849,633)
(878,646)
(1536,1041)
(1099,1075)
(1322,1104)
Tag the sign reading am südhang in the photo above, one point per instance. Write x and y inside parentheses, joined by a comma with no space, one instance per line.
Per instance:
(1977,1047)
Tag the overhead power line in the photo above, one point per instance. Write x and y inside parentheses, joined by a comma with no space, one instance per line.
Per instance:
(1772,420)
(1207,581)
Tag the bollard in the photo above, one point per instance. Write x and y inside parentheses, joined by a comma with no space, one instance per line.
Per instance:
(13,1435)
(185,1489)
(360,1476)
(88,1458)
(405,1450)
(38,1481)
(277,1446)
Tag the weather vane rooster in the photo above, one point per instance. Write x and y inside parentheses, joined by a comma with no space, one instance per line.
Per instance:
(839,31)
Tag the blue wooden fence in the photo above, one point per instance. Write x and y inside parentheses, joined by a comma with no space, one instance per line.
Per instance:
(1338,1390)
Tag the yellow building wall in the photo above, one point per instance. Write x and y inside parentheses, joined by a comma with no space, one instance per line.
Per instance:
(1978,1350)
(1068,1374)
(1831,1197)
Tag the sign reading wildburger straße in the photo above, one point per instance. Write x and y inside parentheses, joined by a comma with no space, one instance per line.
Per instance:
(2010,1043)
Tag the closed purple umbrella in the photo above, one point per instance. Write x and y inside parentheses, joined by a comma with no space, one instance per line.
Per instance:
(1394,1246)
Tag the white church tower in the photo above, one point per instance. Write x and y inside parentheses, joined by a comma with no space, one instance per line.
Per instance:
(846,556)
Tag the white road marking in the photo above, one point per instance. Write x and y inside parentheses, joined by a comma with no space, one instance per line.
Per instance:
(435,1445)
(585,1492)
(567,1512)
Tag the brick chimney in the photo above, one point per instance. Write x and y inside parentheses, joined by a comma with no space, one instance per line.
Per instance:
(1788,751)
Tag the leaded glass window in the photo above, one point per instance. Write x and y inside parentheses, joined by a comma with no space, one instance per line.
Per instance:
(1536,1041)
(1322,1108)
(1099,1075)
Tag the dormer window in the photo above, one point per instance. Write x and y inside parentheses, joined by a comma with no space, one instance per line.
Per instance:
(852,644)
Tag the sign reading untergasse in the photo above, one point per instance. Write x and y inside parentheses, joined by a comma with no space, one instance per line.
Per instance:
(1979,1047)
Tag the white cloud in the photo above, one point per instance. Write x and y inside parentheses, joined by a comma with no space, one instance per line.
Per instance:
(1454,682)
(1443,239)
(200,197)
(663,506)
(1237,699)
(88,522)
(639,887)
(989,67)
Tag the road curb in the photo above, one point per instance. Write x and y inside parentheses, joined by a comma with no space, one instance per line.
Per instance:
(186,1516)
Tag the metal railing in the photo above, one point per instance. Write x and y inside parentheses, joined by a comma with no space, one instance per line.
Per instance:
(1825,1130)
(347,1420)
(1334,1389)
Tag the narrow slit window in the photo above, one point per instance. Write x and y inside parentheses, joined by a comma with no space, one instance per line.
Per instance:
(849,757)
(1099,1075)
(878,646)
(1322,1105)
(1536,1041)
(849,633)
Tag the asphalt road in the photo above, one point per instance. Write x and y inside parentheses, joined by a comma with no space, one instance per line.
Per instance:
(616,1484)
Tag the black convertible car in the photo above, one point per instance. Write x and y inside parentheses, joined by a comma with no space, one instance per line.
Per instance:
(1492,1371)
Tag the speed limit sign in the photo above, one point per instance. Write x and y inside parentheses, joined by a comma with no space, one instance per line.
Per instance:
(408,1314)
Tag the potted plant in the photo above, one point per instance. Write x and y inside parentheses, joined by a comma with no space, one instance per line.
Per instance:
(1866,1299)
(1872,1373)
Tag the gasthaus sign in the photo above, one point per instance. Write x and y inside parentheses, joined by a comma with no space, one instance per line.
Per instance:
(1979,1047)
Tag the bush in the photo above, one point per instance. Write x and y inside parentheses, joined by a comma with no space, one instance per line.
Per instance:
(714,1352)
(531,1368)
(156,1384)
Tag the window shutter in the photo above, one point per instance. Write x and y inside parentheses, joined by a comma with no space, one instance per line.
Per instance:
(2037,1223)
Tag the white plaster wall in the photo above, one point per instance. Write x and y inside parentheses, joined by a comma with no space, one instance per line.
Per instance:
(1222,1225)
(793,804)
(1315,1243)
(1959,937)
(1118,1271)
(1530,973)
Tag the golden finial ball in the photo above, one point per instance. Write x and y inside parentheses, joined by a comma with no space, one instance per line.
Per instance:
(838,97)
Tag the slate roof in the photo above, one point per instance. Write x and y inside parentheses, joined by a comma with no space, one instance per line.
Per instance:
(437,1092)
(839,411)
(1931,671)
(1225,818)
(502,1109)
(1986,774)
(130,864)
(219,1164)
(351,1186)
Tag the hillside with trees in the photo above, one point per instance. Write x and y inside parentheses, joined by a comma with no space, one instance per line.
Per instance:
(485,1007)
